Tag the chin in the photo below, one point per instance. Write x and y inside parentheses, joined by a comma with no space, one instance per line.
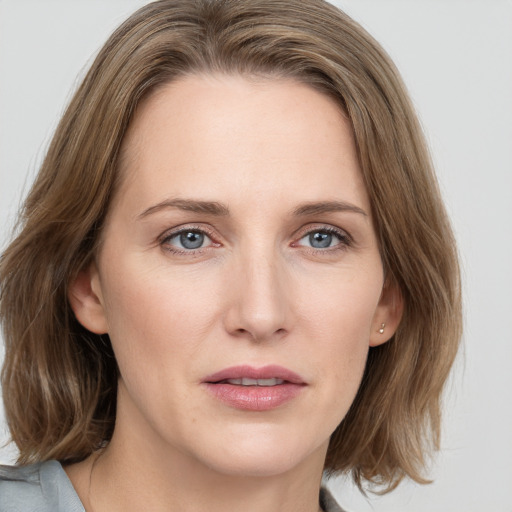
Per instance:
(263,455)
(242,465)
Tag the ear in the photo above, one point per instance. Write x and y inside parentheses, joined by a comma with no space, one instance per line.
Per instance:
(86,300)
(387,315)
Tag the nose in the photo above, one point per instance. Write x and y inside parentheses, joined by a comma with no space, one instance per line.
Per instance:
(259,307)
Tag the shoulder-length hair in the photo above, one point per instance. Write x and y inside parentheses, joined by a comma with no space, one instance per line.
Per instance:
(60,381)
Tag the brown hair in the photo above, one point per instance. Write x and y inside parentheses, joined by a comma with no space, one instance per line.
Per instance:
(60,381)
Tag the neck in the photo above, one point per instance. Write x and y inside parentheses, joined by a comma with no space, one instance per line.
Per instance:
(139,483)
(137,471)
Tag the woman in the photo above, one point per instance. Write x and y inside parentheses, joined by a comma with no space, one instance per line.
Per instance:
(248,275)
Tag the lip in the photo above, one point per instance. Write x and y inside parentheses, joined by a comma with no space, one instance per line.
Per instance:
(265,372)
(254,398)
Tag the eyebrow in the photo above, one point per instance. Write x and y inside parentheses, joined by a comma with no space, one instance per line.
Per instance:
(189,205)
(219,209)
(316,208)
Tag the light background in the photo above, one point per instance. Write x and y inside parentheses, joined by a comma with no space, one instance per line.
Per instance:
(456,58)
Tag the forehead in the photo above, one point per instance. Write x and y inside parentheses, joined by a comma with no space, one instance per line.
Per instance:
(203,134)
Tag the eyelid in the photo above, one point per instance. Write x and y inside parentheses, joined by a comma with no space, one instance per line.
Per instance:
(344,236)
(164,238)
(345,239)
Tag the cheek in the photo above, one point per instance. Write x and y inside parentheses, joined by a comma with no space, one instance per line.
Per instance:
(339,321)
(343,306)
(156,313)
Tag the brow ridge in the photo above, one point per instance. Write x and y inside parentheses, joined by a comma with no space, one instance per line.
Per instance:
(220,209)
(315,208)
(190,205)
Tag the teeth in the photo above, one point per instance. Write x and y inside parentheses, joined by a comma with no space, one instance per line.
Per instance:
(255,382)
(269,382)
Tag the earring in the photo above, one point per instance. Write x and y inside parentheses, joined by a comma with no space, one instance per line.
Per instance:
(381,330)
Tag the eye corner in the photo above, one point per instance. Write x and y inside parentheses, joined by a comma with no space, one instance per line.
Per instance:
(176,241)
(325,241)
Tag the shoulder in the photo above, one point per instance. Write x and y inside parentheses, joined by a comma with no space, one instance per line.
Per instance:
(41,487)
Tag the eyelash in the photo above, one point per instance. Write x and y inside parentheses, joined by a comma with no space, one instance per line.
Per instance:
(165,239)
(345,240)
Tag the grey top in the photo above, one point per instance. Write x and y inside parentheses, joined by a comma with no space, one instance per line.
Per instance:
(42,487)
(45,487)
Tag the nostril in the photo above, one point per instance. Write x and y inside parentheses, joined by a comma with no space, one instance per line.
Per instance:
(260,336)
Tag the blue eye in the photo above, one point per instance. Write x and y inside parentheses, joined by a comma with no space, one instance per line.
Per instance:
(320,240)
(189,240)
(324,239)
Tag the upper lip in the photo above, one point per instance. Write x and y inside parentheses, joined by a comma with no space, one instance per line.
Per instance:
(250,372)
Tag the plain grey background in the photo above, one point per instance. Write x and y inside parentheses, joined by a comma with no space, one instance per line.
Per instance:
(456,58)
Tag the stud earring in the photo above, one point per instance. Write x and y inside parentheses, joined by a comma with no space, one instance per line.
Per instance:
(381,330)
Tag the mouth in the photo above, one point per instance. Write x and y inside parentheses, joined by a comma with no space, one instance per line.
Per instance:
(270,375)
(245,381)
(255,389)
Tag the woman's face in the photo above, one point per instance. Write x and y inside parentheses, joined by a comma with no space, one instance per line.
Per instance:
(239,275)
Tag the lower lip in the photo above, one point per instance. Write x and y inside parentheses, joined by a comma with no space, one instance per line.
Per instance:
(255,398)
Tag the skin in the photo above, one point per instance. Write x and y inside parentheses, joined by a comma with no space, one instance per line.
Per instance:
(256,292)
